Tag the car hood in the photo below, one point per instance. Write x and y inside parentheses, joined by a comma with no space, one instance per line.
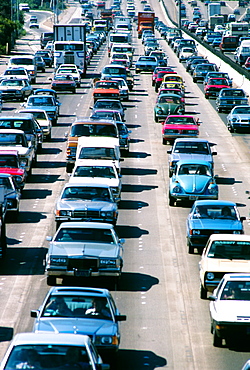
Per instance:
(225,265)
(180,127)
(240,116)
(186,156)
(12,171)
(21,149)
(217,86)
(79,204)
(76,249)
(231,311)
(216,224)
(6,88)
(87,326)
(47,108)
(97,180)
(194,183)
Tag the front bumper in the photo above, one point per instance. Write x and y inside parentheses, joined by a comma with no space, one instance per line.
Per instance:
(86,219)
(83,273)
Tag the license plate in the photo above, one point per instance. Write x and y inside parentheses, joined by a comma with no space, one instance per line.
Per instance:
(193,198)
(84,273)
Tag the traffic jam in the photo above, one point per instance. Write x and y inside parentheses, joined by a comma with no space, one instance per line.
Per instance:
(86,246)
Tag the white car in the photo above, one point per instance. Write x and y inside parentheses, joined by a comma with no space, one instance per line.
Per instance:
(43,119)
(229,309)
(51,350)
(224,253)
(72,70)
(123,88)
(99,172)
(186,53)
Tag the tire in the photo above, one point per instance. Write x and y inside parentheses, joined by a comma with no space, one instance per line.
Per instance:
(3,240)
(206,96)
(58,223)
(69,167)
(203,292)
(230,129)
(164,141)
(219,109)
(217,341)
(194,80)
(48,137)
(156,88)
(51,280)
(171,200)
(190,248)
(156,118)
(74,91)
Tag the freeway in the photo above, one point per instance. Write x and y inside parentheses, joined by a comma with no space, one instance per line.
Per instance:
(167,323)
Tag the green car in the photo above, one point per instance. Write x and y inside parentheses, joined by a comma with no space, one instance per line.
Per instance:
(168,104)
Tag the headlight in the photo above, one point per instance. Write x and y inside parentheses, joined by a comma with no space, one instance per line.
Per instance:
(64,213)
(177,189)
(23,162)
(108,262)
(236,232)
(106,214)
(210,276)
(58,261)
(106,340)
(212,190)
(234,120)
(18,179)
(195,232)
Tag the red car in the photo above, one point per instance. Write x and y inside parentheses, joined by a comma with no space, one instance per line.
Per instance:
(63,82)
(247,64)
(177,126)
(214,85)
(160,69)
(11,164)
(159,78)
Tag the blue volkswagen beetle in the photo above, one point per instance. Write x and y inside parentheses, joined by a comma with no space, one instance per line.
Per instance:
(192,180)
(211,217)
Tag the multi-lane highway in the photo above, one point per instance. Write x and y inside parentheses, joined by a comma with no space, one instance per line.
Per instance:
(167,323)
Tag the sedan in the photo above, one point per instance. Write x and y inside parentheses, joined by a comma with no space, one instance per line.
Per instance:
(15,89)
(177,126)
(211,217)
(168,104)
(214,85)
(229,309)
(239,118)
(109,104)
(63,82)
(192,180)
(89,311)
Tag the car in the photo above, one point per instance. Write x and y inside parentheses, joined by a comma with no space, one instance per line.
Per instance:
(247,64)
(113,71)
(201,70)
(159,75)
(12,193)
(63,82)
(124,137)
(223,253)
(216,42)
(27,62)
(16,72)
(123,89)
(214,85)
(108,114)
(208,217)
(47,102)
(168,104)
(43,120)
(176,126)
(46,55)
(11,139)
(104,89)
(161,57)
(184,149)
(229,98)
(46,350)
(73,70)
(109,104)
(239,118)
(11,163)
(192,180)
(33,25)
(45,37)
(179,92)
(160,69)
(229,303)
(98,171)
(150,46)
(86,202)
(174,77)
(185,53)
(84,249)
(146,64)
(219,74)
(246,365)
(15,89)
(91,310)
(40,63)
(190,60)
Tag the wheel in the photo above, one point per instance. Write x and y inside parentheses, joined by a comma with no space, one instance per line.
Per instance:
(3,240)
(194,79)
(69,167)
(206,96)
(48,137)
(230,128)
(153,83)
(43,70)
(203,292)
(171,200)
(164,141)
(15,214)
(74,91)
(219,109)
(190,248)
(156,118)
(156,89)
(217,341)
(58,223)
(51,280)
(35,159)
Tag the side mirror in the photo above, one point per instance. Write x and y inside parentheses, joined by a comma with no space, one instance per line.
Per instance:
(120,317)
(49,238)
(34,313)
(122,241)
(243,218)
(169,151)
(214,153)
(212,298)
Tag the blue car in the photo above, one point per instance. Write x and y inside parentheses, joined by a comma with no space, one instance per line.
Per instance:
(211,217)
(88,311)
(192,180)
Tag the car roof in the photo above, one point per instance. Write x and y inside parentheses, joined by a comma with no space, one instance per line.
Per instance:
(17,116)
(86,225)
(50,338)
(94,162)
(194,161)
(79,290)
(237,276)
(96,185)
(211,202)
(191,140)
(9,152)
(10,131)
(232,237)
(81,120)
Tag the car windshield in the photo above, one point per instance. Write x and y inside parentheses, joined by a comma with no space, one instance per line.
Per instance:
(93,130)
(63,77)
(194,169)
(95,171)
(84,306)
(39,115)
(237,93)
(24,125)
(41,100)
(241,110)
(218,81)
(97,153)
(15,72)
(236,290)
(5,182)
(107,105)
(20,61)
(215,212)
(168,100)
(85,193)
(230,249)
(11,139)
(78,234)
(106,85)
(12,83)
(180,120)
(47,357)
(192,147)
(8,161)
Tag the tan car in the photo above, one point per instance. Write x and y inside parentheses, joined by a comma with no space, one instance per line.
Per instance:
(86,127)
(224,253)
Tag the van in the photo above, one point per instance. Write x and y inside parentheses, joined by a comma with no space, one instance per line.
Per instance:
(26,61)
(89,128)
(228,43)
(114,70)
(118,38)
(107,149)
(123,48)
(45,37)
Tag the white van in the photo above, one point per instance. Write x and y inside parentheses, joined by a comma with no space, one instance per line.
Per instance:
(118,38)
(122,48)
(99,148)
(242,52)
